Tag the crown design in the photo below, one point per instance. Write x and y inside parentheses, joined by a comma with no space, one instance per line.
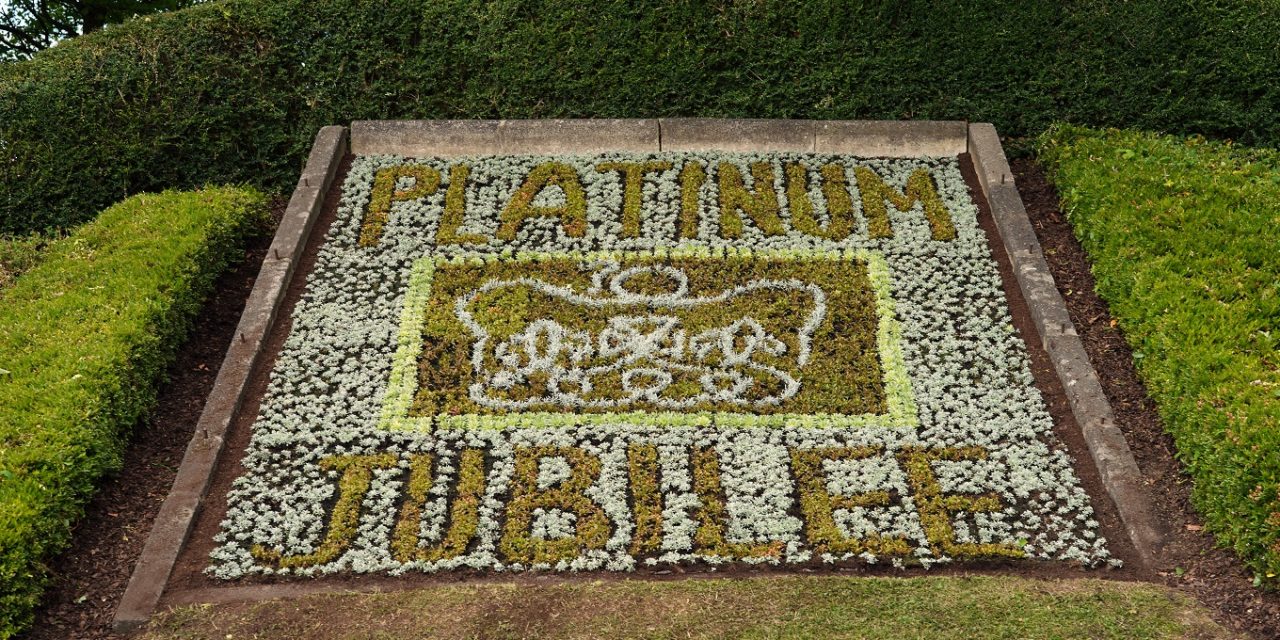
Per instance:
(647,349)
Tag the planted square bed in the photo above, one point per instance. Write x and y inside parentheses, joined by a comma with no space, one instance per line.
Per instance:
(613,362)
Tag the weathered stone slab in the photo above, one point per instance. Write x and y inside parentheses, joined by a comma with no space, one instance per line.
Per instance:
(891,138)
(426,138)
(1106,442)
(449,138)
(578,136)
(714,134)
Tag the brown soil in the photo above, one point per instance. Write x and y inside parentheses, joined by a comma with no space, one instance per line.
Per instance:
(91,577)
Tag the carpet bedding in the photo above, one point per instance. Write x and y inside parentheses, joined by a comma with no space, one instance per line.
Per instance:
(623,361)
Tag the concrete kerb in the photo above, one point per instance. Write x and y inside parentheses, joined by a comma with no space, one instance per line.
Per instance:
(891,138)
(451,138)
(1106,442)
(448,138)
(177,514)
(421,138)
(741,136)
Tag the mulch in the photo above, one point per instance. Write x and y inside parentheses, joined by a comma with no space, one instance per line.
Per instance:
(91,577)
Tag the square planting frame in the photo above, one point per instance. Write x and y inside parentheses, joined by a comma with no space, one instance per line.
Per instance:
(1110,453)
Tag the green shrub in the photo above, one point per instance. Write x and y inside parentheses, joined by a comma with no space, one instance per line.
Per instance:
(1183,236)
(234,90)
(18,254)
(85,337)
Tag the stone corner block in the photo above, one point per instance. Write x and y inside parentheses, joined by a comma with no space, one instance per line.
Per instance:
(988,155)
(330,145)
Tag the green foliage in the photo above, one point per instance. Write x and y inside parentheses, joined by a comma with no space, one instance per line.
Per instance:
(19,254)
(234,90)
(1183,235)
(85,336)
(844,376)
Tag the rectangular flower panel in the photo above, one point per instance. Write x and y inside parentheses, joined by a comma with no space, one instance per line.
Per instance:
(676,338)
(622,361)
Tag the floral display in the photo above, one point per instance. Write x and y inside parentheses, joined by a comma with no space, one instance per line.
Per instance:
(612,362)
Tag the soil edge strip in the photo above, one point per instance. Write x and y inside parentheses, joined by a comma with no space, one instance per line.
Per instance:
(1107,445)
(177,514)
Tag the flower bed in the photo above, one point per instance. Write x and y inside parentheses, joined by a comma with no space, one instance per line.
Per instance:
(575,363)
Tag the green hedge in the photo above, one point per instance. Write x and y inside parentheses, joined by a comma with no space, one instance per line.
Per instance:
(85,337)
(1184,237)
(234,90)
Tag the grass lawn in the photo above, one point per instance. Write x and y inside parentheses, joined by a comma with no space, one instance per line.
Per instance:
(774,607)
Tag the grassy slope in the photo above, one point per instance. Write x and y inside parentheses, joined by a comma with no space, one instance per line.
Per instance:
(782,607)
(1184,237)
(85,336)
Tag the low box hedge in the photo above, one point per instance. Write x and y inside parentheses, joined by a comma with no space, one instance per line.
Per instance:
(85,338)
(1183,237)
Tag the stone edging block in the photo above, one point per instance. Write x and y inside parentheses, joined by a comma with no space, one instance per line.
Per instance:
(446,138)
(577,136)
(1111,454)
(743,136)
(891,138)
(177,514)
(451,138)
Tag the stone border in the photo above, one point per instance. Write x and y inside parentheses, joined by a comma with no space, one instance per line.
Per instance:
(1107,446)
(177,514)
(1116,465)
(446,138)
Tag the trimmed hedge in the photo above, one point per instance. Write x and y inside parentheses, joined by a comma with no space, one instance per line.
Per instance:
(1183,237)
(85,337)
(234,90)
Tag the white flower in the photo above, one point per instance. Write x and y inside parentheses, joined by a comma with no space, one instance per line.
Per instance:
(967,371)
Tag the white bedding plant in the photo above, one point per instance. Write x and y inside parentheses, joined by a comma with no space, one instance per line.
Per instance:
(970,386)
